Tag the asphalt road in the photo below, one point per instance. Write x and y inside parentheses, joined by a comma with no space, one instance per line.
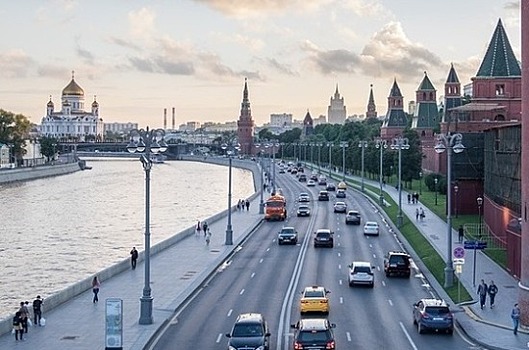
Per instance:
(267,278)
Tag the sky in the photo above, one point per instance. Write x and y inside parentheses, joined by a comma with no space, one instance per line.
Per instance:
(139,57)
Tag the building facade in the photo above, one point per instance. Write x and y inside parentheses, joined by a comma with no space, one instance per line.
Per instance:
(72,122)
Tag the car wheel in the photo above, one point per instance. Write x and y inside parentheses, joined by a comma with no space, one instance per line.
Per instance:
(408,274)
(420,328)
(372,285)
(388,274)
(279,243)
(351,284)
(414,322)
(450,331)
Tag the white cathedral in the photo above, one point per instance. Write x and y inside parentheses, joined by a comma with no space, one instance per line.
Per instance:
(72,122)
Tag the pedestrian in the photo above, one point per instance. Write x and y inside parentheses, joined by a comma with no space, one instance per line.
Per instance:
(493,290)
(24,314)
(198,228)
(417,213)
(482,292)
(133,257)
(515,315)
(26,304)
(37,310)
(205,227)
(208,237)
(461,233)
(17,326)
(247,205)
(421,210)
(409,198)
(95,289)
(239,205)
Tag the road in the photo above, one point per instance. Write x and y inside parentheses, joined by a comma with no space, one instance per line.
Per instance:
(263,277)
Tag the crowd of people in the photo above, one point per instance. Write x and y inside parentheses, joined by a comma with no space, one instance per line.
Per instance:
(23,318)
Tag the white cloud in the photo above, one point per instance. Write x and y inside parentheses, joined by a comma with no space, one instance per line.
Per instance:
(15,64)
(142,23)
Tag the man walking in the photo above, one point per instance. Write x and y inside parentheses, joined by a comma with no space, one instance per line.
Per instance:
(133,257)
(461,233)
(493,290)
(37,312)
(482,292)
(205,227)
(515,315)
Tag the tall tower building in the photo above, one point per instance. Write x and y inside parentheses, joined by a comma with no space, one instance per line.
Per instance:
(452,91)
(308,126)
(371,107)
(426,115)
(336,111)
(396,120)
(245,124)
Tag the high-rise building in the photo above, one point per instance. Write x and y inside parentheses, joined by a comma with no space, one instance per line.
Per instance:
(336,111)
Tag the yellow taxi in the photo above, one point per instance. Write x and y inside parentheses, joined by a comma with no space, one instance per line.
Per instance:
(314,299)
(342,186)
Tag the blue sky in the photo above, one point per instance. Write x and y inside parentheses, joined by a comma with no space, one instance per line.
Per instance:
(141,56)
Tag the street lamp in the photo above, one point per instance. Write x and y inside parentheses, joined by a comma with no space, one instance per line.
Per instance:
(147,142)
(480,203)
(305,153)
(259,157)
(230,149)
(344,145)
(312,144)
(450,143)
(282,144)
(456,190)
(420,182)
(362,145)
(381,144)
(435,181)
(329,145)
(319,144)
(399,144)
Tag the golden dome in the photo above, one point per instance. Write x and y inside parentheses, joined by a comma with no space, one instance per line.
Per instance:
(73,88)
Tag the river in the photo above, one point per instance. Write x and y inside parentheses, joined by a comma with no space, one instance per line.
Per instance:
(57,231)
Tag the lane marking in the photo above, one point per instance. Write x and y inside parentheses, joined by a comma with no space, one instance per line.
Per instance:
(252,275)
(339,254)
(261,261)
(219,337)
(339,266)
(242,292)
(390,302)
(408,336)
(348,335)
(340,282)
(384,283)
(229,312)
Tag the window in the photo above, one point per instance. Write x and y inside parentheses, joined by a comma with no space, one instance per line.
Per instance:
(500,89)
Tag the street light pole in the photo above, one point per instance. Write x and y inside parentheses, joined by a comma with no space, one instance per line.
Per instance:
(259,157)
(435,180)
(344,145)
(230,149)
(381,144)
(362,145)
(329,145)
(319,144)
(147,142)
(420,182)
(312,155)
(274,145)
(450,143)
(480,203)
(456,190)
(399,144)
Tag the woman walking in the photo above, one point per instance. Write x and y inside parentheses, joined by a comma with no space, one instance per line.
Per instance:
(95,289)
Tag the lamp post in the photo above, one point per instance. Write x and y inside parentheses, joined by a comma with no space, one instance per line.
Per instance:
(230,149)
(329,145)
(319,144)
(147,142)
(399,144)
(456,190)
(480,203)
(450,143)
(274,144)
(282,144)
(305,153)
(420,182)
(435,181)
(259,157)
(381,144)
(344,145)
(362,145)
(312,144)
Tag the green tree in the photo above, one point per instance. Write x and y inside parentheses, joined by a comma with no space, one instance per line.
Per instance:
(48,147)
(14,130)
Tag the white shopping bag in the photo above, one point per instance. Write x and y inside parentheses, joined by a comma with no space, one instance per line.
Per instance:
(30,323)
(42,322)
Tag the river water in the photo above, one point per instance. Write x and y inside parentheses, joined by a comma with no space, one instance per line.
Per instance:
(57,231)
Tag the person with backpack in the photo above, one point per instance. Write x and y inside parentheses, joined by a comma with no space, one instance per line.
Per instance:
(37,310)
(17,326)
(493,290)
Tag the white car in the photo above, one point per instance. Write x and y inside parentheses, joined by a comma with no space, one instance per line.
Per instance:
(371,228)
(340,207)
(303,197)
(311,183)
(361,272)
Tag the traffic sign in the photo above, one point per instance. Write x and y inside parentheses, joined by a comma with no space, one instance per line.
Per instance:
(475,244)
(460,261)
(459,252)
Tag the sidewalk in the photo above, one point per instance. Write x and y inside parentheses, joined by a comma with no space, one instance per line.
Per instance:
(80,324)
(489,327)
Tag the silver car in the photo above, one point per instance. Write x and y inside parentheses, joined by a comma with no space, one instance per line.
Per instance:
(361,272)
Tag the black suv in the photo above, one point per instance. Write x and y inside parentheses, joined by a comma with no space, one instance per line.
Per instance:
(323,238)
(302,178)
(323,196)
(249,332)
(397,263)
(314,333)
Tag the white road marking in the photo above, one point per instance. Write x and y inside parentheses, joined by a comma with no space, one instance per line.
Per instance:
(340,282)
(370,245)
(341,300)
(348,335)
(374,256)
(252,275)
(268,249)
(390,302)
(339,266)
(408,336)
(242,292)
(219,338)
(339,254)
(229,312)
(260,261)
(383,283)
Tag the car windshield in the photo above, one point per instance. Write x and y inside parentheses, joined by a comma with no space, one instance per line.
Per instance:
(323,234)
(437,310)
(365,269)
(314,294)
(313,336)
(274,204)
(303,207)
(371,225)
(247,330)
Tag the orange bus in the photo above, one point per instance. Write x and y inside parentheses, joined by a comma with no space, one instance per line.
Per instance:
(276,208)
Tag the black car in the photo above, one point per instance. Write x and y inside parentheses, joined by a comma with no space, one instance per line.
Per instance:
(323,196)
(250,332)
(323,238)
(314,334)
(302,178)
(330,187)
(287,235)
(397,263)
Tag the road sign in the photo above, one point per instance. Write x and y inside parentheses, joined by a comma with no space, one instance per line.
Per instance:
(459,252)
(460,261)
(459,269)
(475,244)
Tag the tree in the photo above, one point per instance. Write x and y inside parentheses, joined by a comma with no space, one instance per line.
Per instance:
(14,130)
(48,146)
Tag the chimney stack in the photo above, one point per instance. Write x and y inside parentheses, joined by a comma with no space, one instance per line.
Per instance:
(165,118)
(174,127)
